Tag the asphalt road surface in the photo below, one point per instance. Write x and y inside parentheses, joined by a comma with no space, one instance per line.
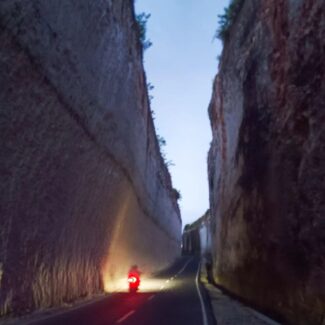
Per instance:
(173,297)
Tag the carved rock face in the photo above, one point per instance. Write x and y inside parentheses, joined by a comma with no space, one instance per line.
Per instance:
(80,162)
(266,162)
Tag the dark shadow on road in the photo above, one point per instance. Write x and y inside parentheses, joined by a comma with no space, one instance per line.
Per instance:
(106,311)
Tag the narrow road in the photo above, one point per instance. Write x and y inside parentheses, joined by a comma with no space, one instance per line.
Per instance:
(174,297)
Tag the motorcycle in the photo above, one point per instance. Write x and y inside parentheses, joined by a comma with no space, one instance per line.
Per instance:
(134,282)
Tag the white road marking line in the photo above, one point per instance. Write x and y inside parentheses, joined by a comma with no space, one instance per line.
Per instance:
(204,315)
(183,268)
(125,316)
(167,281)
(151,297)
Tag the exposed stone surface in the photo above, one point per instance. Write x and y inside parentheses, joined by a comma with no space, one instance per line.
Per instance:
(266,162)
(84,190)
(196,237)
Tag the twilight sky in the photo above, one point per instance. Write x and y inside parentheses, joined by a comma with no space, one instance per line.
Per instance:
(181,65)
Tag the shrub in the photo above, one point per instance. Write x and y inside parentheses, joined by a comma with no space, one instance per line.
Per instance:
(177,194)
(227,19)
(161,141)
(142,20)
(150,87)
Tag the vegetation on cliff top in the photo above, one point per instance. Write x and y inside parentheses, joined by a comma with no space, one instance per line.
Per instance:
(142,20)
(227,19)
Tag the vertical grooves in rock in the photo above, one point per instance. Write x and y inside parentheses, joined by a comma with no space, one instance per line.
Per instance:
(79,180)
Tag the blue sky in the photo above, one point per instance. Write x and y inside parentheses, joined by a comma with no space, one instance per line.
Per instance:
(181,65)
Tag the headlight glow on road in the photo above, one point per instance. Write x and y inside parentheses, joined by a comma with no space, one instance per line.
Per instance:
(146,285)
(151,285)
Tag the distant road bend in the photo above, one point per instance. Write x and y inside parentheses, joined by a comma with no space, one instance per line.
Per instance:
(175,297)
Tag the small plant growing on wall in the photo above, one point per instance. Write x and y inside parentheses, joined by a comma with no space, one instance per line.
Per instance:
(162,143)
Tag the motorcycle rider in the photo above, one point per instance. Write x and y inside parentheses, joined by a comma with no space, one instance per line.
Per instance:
(134,272)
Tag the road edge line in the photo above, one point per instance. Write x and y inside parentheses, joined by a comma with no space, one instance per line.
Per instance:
(122,319)
(184,267)
(204,314)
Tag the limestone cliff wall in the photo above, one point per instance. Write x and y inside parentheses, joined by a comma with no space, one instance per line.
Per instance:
(196,237)
(266,162)
(84,190)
